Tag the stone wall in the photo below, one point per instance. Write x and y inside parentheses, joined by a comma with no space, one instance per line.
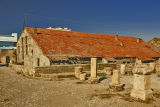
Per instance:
(157,68)
(7,52)
(29,53)
(17,68)
(70,68)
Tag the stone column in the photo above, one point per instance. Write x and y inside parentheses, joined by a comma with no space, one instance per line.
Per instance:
(93,79)
(122,69)
(93,67)
(152,65)
(142,86)
(78,71)
(115,84)
(116,77)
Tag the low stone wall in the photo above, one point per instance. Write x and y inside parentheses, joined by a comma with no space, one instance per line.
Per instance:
(7,52)
(157,67)
(128,67)
(70,68)
(17,68)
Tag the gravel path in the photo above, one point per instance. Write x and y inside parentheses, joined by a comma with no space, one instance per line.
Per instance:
(19,91)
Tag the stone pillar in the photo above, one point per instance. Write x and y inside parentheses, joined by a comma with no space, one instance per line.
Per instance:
(108,70)
(115,84)
(152,65)
(93,67)
(93,79)
(122,69)
(78,71)
(116,77)
(141,86)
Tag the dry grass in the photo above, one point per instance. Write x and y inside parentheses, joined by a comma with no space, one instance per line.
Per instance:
(101,74)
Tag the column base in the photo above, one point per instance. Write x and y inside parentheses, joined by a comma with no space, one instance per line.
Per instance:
(116,87)
(92,80)
(83,77)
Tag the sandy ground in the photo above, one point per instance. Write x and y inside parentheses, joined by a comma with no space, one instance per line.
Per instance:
(19,91)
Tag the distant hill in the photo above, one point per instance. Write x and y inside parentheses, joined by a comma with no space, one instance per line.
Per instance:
(155,42)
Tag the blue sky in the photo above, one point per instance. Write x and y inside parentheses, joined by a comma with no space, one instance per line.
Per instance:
(139,18)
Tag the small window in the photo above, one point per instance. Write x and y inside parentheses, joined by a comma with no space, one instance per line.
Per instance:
(19,49)
(38,61)
(26,40)
(26,49)
(22,50)
(32,51)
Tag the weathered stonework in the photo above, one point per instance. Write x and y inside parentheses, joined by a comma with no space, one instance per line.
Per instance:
(122,69)
(83,76)
(108,70)
(142,79)
(93,79)
(157,67)
(78,71)
(7,52)
(17,68)
(142,69)
(115,84)
(152,65)
(29,53)
(141,87)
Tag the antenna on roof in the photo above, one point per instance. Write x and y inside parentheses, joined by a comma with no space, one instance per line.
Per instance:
(24,23)
(116,38)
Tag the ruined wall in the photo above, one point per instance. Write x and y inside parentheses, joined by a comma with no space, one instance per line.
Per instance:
(17,68)
(7,52)
(70,68)
(29,53)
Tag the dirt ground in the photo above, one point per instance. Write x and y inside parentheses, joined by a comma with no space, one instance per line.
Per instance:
(19,91)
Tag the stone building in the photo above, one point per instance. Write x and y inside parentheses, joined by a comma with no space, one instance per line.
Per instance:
(40,47)
(8,47)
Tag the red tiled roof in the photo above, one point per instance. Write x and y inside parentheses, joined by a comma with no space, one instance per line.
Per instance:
(56,43)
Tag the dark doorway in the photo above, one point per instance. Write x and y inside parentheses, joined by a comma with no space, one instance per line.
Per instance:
(7,60)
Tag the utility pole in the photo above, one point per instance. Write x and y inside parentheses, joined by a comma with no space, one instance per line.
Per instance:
(24,21)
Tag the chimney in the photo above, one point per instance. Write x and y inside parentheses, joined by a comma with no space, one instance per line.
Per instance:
(35,31)
(116,38)
(138,40)
(121,43)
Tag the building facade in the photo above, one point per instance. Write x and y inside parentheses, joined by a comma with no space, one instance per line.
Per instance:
(8,47)
(39,47)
